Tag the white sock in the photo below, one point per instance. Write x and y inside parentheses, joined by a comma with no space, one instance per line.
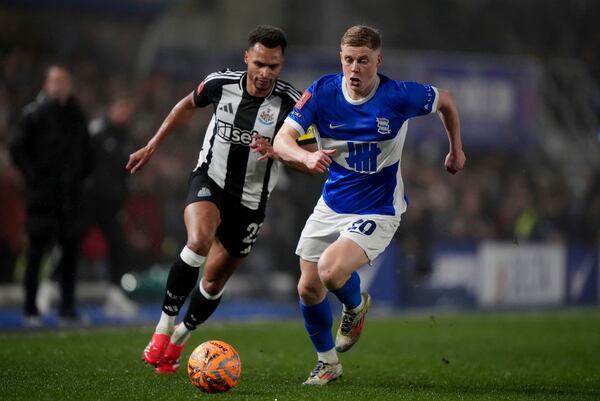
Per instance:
(329,357)
(191,258)
(180,335)
(207,295)
(354,310)
(165,324)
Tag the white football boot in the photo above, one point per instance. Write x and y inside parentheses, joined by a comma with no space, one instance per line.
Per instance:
(323,373)
(351,325)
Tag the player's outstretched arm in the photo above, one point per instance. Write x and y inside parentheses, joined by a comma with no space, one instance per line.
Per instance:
(287,150)
(455,159)
(179,116)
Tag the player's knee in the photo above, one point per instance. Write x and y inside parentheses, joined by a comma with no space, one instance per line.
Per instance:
(213,288)
(309,294)
(200,242)
(329,273)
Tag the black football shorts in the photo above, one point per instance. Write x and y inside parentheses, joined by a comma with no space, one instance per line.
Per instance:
(239,225)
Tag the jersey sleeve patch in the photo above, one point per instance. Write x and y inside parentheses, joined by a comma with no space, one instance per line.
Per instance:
(200,88)
(201,97)
(304,112)
(305,96)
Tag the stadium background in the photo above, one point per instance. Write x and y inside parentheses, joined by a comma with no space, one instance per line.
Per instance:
(519,228)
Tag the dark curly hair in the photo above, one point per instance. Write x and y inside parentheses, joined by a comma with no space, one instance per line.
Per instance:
(269,36)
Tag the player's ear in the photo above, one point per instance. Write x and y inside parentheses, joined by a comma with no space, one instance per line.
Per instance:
(379,59)
(246,57)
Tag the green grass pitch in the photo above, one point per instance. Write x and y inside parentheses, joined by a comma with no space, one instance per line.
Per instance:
(551,355)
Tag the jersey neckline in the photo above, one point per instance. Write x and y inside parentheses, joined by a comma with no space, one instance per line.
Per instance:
(364,99)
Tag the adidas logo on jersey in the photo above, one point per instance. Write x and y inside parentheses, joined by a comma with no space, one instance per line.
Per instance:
(204,193)
(227,108)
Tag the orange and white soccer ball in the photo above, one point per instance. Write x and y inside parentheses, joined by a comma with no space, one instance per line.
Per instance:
(214,366)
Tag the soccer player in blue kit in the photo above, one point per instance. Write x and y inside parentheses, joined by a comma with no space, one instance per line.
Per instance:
(361,119)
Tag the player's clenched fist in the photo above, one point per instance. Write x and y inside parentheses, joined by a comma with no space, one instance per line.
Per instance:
(319,161)
(455,161)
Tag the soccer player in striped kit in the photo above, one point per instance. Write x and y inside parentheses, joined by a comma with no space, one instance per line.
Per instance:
(228,189)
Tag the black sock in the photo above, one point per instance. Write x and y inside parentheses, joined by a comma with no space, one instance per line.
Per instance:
(200,309)
(182,278)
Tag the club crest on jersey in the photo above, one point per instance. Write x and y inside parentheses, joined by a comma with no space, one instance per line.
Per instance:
(383,125)
(266,117)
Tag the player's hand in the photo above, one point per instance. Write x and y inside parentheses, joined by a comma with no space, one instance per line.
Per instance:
(261,145)
(319,161)
(455,161)
(138,158)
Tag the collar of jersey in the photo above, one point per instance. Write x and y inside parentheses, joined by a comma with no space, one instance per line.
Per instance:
(244,90)
(364,99)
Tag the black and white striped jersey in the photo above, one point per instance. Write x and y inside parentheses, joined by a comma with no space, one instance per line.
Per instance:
(225,153)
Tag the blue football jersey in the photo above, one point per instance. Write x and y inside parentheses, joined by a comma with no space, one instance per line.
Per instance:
(368,136)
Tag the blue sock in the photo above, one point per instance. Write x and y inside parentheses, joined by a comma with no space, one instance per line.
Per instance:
(349,293)
(318,321)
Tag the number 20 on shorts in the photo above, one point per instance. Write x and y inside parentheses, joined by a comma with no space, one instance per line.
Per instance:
(365,227)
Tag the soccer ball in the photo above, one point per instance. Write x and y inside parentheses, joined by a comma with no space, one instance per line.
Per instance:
(214,366)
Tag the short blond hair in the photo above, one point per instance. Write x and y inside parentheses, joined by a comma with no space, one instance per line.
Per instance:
(362,35)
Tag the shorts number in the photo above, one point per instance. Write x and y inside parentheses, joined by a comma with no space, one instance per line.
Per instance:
(365,227)
(252,230)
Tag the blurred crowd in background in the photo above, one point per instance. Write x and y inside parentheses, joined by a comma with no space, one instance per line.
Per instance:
(501,195)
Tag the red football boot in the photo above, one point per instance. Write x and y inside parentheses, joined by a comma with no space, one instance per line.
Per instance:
(155,349)
(170,359)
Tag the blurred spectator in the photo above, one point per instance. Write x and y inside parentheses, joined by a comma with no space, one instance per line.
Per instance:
(12,216)
(106,191)
(52,150)
(143,225)
(587,221)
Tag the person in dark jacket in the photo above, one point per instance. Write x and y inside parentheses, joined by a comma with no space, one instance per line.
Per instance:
(106,190)
(52,150)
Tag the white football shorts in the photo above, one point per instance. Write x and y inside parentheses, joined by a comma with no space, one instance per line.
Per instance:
(372,232)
